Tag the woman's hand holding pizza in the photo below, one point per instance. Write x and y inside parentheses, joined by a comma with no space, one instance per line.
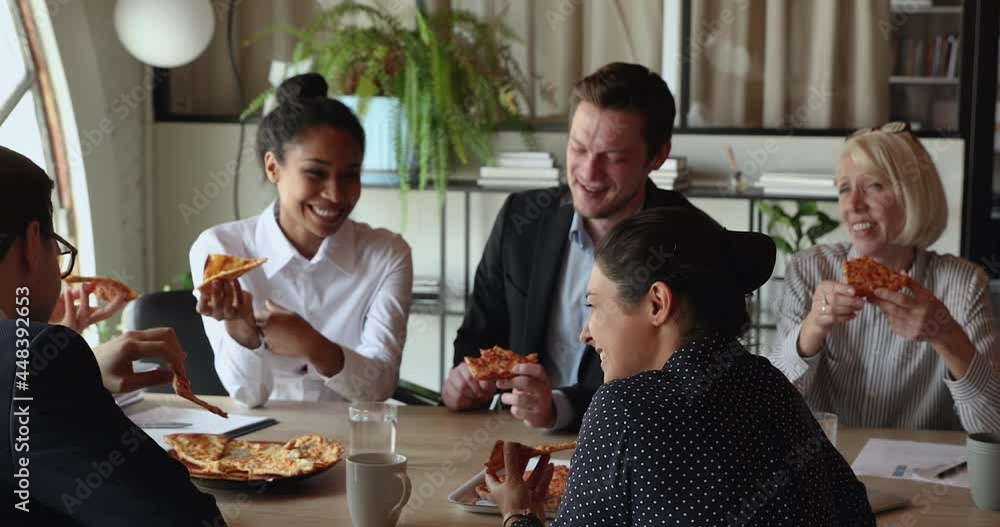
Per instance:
(225,300)
(922,317)
(832,303)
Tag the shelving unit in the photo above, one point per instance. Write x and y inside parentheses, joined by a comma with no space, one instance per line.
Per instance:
(919,34)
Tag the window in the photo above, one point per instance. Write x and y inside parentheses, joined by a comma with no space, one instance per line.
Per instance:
(27,111)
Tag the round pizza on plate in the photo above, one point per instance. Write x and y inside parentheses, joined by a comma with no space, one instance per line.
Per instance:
(217,457)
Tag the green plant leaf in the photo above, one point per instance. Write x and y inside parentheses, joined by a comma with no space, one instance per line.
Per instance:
(819,230)
(807,208)
(783,245)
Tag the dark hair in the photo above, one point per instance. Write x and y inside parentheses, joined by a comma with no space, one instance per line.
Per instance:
(653,246)
(26,197)
(303,104)
(632,87)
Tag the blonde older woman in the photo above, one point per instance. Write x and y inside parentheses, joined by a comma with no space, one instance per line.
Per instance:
(926,357)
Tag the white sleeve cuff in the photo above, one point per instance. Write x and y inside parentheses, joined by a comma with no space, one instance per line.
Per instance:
(564,411)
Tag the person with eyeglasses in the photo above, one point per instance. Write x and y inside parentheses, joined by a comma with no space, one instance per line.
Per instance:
(70,456)
(926,357)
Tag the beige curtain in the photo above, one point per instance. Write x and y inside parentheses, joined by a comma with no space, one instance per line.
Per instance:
(789,63)
(207,85)
(564,40)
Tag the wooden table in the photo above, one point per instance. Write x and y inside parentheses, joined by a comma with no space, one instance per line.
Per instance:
(446,449)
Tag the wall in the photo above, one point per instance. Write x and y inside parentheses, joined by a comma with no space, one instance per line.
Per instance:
(193,185)
(106,102)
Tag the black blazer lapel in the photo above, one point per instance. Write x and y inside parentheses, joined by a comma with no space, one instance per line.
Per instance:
(550,247)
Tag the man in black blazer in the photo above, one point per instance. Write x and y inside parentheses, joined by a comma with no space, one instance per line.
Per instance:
(70,456)
(529,287)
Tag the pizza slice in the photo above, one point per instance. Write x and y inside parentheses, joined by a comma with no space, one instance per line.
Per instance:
(496,461)
(496,363)
(200,450)
(865,275)
(182,387)
(554,496)
(317,448)
(226,267)
(105,289)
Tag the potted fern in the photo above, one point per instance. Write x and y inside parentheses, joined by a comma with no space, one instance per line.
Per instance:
(450,81)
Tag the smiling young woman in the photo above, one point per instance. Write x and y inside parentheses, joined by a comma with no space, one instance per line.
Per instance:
(330,304)
(922,358)
(689,427)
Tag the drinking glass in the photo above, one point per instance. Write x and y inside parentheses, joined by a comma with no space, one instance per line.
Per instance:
(373,428)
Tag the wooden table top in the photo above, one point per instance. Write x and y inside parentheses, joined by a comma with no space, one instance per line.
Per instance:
(446,449)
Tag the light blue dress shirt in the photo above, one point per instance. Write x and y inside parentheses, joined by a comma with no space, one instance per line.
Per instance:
(564,351)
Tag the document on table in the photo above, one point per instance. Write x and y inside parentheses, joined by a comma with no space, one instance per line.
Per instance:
(163,420)
(886,458)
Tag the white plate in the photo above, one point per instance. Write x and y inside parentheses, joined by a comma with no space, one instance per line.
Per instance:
(467,499)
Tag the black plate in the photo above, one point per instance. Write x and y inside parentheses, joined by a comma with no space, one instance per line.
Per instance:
(255,484)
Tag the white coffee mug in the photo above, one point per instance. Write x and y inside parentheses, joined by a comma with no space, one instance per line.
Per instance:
(377,488)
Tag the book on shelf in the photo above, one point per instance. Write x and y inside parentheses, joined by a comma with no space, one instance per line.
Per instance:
(550,173)
(796,190)
(517,183)
(932,56)
(778,179)
(525,160)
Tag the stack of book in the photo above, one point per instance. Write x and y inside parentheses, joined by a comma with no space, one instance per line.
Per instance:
(797,184)
(672,174)
(935,56)
(520,170)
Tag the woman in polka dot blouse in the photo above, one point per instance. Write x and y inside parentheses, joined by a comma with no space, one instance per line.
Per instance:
(689,428)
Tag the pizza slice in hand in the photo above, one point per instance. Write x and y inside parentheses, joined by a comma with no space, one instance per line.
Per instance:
(554,496)
(105,289)
(182,387)
(496,460)
(496,363)
(227,268)
(866,275)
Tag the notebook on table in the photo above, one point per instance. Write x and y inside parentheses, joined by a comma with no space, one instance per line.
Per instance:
(163,420)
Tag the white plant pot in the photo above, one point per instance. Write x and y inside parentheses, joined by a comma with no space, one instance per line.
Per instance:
(380,156)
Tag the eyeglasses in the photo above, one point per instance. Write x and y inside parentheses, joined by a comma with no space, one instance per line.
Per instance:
(67,254)
(894,127)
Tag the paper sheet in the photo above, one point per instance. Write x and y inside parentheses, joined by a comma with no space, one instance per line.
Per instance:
(201,422)
(886,458)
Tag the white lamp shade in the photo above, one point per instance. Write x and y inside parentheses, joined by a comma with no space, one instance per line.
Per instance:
(165,33)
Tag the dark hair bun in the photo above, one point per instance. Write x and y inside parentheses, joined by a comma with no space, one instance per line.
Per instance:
(304,86)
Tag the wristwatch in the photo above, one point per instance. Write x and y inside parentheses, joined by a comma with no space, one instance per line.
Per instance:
(514,515)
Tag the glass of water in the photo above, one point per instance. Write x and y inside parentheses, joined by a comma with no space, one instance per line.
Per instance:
(828,422)
(373,428)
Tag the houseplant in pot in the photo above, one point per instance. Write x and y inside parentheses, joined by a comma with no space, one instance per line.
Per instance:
(450,81)
(791,233)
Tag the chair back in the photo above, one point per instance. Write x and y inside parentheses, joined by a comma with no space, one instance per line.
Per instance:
(176,309)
